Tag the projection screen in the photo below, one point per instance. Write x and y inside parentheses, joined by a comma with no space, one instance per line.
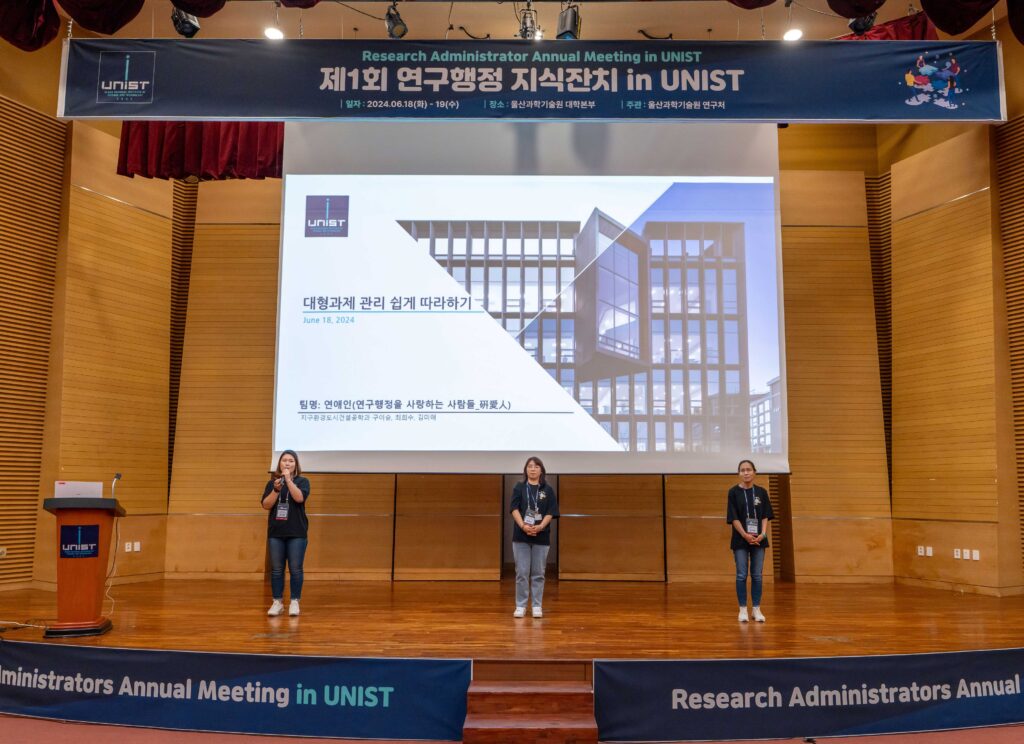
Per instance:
(455,296)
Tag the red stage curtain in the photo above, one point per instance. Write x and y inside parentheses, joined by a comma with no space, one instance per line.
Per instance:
(956,16)
(1016,12)
(102,16)
(200,8)
(909,28)
(751,4)
(208,150)
(855,8)
(29,25)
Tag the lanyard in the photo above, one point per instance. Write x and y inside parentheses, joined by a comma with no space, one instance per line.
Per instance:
(533,500)
(749,506)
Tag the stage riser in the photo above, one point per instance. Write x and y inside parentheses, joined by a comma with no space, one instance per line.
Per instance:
(543,711)
(490,698)
(537,731)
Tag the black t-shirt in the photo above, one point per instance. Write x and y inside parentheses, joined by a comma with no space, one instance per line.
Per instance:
(744,502)
(542,499)
(296,525)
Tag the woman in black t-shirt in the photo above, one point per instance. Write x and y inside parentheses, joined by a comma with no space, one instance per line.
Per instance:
(748,512)
(533,507)
(285,497)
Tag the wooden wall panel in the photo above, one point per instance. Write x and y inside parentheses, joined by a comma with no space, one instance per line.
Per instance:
(836,431)
(107,393)
(222,447)
(448,527)
(835,416)
(942,570)
(943,364)
(216,546)
(1010,176)
(182,236)
(823,198)
(836,147)
(94,168)
(954,460)
(879,192)
(351,526)
(116,349)
(31,185)
(612,527)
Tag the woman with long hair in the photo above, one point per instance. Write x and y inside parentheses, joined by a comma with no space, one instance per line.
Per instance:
(284,497)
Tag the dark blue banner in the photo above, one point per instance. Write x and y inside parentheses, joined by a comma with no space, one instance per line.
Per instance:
(172,79)
(240,693)
(789,698)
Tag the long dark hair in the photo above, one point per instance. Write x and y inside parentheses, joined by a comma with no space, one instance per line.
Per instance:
(749,462)
(298,467)
(540,464)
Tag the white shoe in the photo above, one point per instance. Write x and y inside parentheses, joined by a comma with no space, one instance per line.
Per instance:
(293,607)
(276,608)
(758,617)
(538,612)
(520,612)
(743,615)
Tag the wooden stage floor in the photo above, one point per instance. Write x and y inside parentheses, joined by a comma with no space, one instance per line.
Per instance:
(583,620)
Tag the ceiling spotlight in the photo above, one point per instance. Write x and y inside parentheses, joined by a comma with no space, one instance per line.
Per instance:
(794,33)
(185,24)
(862,25)
(393,22)
(274,32)
(569,23)
(528,28)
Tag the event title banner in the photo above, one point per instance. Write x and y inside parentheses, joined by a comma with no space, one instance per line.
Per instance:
(279,694)
(168,79)
(704,700)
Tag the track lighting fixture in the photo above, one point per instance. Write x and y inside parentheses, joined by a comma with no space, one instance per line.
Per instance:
(528,27)
(396,27)
(185,24)
(569,23)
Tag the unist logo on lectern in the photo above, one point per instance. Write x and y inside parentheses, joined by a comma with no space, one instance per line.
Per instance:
(79,541)
(326,216)
(126,77)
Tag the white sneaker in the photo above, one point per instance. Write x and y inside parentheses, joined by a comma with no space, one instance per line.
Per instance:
(743,615)
(758,617)
(276,608)
(520,612)
(293,607)
(538,612)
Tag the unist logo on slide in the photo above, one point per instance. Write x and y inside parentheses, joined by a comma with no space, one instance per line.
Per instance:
(326,216)
(126,77)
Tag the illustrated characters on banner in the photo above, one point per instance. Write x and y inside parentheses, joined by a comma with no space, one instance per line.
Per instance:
(936,83)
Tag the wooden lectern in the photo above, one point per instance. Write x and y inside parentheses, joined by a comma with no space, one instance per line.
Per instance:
(83,547)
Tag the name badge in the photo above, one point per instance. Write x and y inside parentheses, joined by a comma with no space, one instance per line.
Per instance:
(532,517)
(281,513)
(753,526)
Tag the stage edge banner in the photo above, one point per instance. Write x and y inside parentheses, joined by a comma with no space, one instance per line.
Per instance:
(643,701)
(238,693)
(765,81)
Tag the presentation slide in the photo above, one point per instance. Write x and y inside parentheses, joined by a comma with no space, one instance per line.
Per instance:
(446,322)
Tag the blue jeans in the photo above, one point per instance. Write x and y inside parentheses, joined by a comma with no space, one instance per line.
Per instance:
(531,562)
(292,549)
(755,557)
